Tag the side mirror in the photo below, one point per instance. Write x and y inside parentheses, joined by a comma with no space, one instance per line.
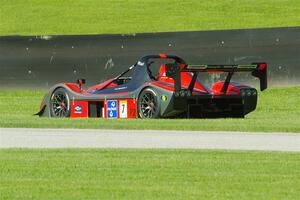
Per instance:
(80,82)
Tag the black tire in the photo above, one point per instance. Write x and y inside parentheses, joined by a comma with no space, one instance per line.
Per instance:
(60,103)
(148,104)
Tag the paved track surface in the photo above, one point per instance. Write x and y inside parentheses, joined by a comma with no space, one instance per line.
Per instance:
(78,138)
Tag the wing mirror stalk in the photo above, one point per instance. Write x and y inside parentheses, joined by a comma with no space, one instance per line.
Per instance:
(80,82)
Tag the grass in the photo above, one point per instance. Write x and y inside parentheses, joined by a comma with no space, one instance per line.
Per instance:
(277,110)
(52,17)
(147,174)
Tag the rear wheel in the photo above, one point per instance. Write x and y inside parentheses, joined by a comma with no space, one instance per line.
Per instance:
(60,103)
(148,105)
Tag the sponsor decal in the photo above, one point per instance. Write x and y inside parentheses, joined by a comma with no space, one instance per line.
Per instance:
(123,109)
(164,98)
(111,109)
(121,88)
(78,109)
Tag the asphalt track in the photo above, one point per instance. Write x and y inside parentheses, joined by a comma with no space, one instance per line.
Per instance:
(82,138)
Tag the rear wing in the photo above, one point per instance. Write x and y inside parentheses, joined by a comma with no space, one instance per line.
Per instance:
(258,70)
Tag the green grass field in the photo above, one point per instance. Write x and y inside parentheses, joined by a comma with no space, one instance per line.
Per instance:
(44,17)
(147,174)
(277,110)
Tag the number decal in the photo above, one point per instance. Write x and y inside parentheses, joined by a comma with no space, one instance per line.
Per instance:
(123,109)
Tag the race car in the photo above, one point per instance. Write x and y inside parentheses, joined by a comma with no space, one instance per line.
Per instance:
(174,92)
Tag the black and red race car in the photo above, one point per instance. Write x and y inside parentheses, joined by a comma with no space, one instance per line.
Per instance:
(174,92)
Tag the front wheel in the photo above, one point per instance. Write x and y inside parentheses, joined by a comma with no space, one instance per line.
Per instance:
(148,105)
(60,103)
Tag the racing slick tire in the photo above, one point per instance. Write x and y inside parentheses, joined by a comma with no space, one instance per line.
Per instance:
(59,103)
(148,104)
